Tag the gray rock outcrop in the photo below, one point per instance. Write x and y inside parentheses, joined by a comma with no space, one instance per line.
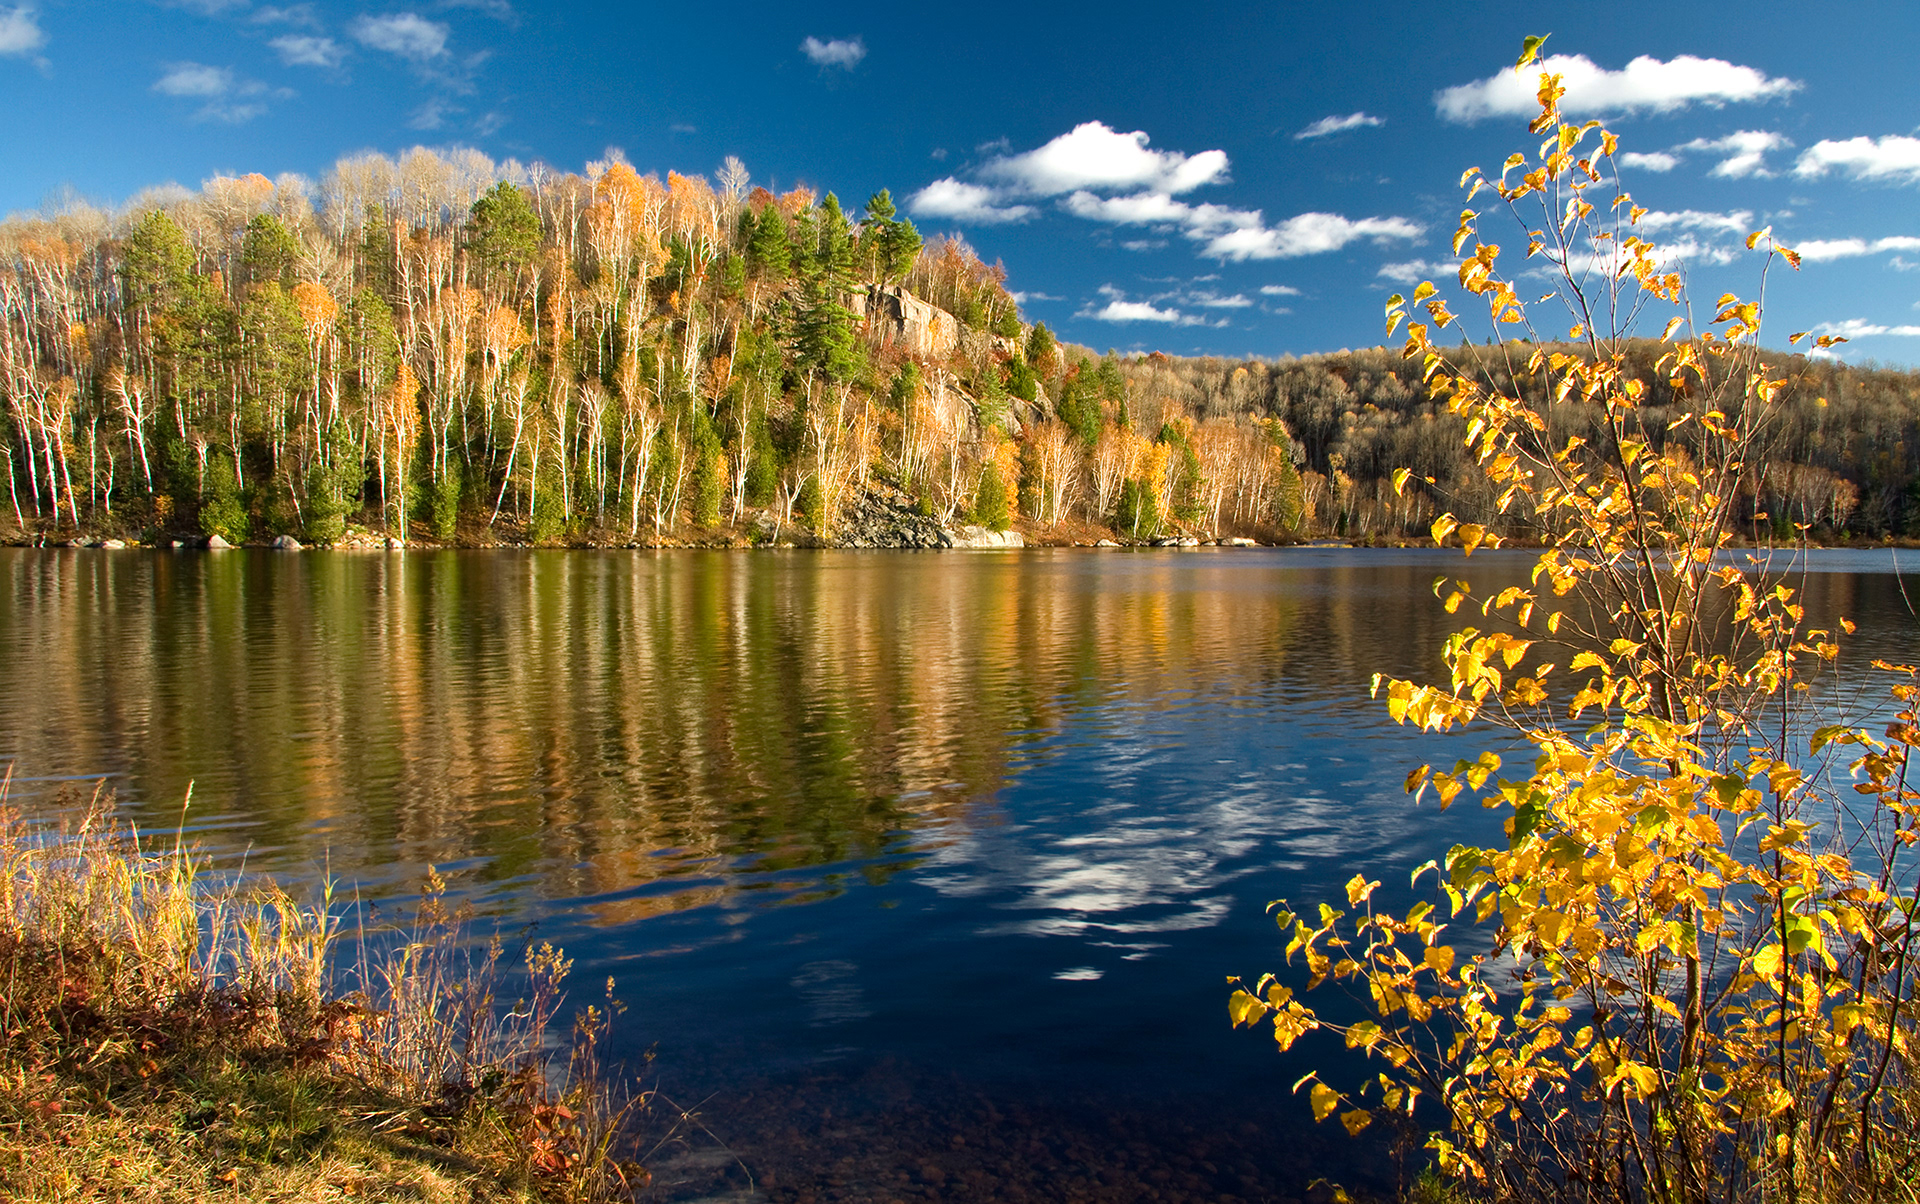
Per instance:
(884,516)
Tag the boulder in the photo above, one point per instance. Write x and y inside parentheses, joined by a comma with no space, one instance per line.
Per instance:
(286,543)
(1239,541)
(215,543)
(113,543)
(971,536)
(1177,541)
(1105,543)
(897,318)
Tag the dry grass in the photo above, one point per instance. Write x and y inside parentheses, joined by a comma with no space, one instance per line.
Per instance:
(168,1035)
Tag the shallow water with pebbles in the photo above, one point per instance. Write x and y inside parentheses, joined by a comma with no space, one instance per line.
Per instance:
(921,874)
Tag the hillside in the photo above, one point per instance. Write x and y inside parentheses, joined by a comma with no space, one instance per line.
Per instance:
(434,348)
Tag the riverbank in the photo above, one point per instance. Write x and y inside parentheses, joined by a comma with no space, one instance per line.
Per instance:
(169,1036)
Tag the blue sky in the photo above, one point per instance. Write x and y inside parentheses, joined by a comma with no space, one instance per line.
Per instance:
(1240,179)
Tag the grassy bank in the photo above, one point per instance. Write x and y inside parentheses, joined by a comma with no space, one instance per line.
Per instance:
(170,1035)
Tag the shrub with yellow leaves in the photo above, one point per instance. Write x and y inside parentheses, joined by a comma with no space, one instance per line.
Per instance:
(1688,973)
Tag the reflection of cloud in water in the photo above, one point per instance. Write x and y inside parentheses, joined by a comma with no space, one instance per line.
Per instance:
(1142,854)
(830,995)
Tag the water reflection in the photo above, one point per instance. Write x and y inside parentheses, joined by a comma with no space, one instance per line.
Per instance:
(854,832)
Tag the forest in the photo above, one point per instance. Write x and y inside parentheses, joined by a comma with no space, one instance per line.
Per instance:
(436,348)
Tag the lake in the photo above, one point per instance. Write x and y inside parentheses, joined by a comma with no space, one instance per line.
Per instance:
(922,874)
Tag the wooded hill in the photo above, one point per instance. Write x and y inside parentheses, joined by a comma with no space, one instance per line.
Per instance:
(436,347)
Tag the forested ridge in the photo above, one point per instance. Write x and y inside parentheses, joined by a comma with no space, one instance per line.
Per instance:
(435,347)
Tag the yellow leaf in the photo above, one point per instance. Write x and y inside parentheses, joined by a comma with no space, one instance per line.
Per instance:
(1356,1120)
(1243,1008)
(1358,888)
(1439,958)
(1324,1100)
(1767,962)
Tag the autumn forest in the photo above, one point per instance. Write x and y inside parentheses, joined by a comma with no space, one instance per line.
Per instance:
(439,348)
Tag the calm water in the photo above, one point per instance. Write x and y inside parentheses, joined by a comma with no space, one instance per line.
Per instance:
(922,873)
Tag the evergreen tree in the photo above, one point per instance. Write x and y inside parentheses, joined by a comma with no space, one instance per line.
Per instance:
(269,253)
(503,232)
(770,254)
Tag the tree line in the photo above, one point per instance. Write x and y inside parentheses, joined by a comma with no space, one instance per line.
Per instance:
(438,346)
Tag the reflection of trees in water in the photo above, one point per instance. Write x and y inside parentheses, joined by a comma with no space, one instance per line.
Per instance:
(609,721)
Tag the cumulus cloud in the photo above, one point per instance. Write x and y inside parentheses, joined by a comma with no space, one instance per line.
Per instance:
(20,31)
(1095,156)
(1819,249)
(1739,222)
(1278,290)
(1645,85)
(1334,125)
(1857,328)
(303,50)
(957,200)
(227,97)
(407,35)
(1169,307)
(1134,311)
(1895,158)
(1102,175)
(1743,153)
(844,53)
(1659,161)
(1305,234)
(1413,271)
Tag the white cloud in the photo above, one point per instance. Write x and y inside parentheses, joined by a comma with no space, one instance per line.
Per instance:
(293,14)
(1745,152)
(20,31)
(1093,159)
(1141,208)
(228,98)
(1144,244)
(1648,161)
(1856,328)
(1215,301)
(432,114)
(844,53)
(1334,125)
(1134,311)
(1306,234)
(1413,271)
(1820,249)
(302,50)
(1895,158)
(194,79)
(957,200)
(1738,223)
(1094,156)
(1278,290)
(408,35)
(1645,85)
